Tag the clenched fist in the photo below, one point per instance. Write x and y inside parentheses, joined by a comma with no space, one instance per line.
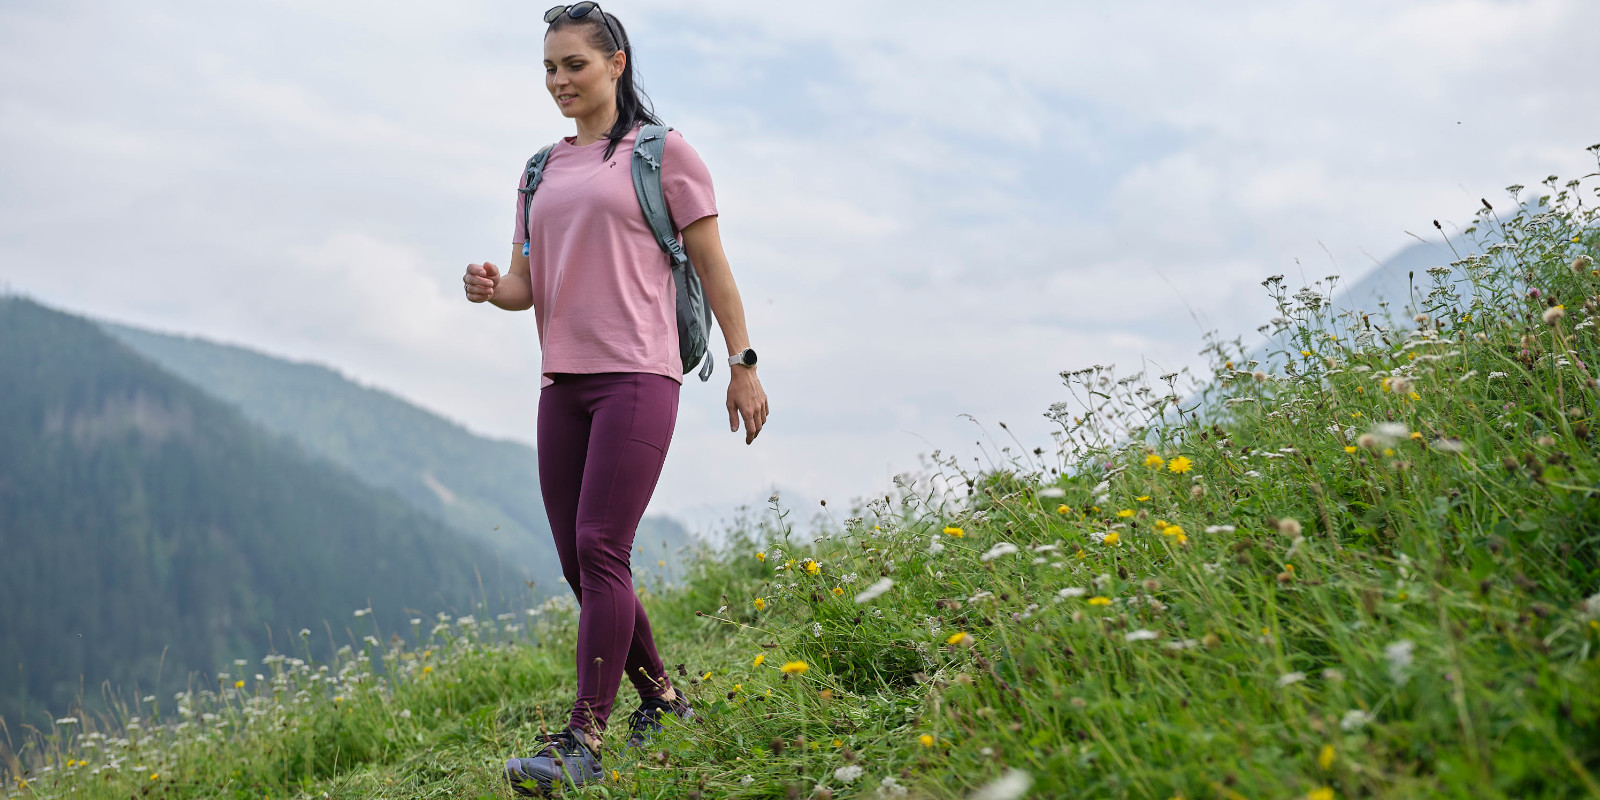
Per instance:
(480,281)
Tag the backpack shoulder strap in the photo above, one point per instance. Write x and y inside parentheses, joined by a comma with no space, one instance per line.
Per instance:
(647,151)
(532,175)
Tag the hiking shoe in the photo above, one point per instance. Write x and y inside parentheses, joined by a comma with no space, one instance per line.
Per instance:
(645,720)
(564,759)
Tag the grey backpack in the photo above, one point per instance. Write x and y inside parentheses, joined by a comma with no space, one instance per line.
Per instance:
(694,315)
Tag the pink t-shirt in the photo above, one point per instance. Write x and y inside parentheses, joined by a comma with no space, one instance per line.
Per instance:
(602,288)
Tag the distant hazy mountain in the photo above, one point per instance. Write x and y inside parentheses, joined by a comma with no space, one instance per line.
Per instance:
(142,519)
(393,444)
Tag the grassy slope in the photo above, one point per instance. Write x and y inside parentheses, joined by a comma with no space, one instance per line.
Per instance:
(1296,608)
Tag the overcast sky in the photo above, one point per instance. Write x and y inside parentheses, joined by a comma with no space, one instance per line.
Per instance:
(931,209)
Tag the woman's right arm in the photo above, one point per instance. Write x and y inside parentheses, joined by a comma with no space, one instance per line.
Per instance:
(512,291)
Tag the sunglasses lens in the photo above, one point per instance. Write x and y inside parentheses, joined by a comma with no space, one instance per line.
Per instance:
(580,9)
(550,16)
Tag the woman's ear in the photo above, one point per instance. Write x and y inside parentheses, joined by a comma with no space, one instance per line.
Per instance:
(619,62)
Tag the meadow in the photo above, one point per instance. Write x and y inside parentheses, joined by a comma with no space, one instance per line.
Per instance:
(1363,564)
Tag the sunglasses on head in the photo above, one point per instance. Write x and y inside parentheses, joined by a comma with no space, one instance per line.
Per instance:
(579,11)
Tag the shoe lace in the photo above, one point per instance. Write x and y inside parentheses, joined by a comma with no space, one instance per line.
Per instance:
(564,743)
(648,713)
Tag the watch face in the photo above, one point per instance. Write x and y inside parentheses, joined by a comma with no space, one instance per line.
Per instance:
(749,357)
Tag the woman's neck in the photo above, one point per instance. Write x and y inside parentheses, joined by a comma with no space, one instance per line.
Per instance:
(594,127)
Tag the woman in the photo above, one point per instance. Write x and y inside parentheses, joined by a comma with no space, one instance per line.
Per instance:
(604,300)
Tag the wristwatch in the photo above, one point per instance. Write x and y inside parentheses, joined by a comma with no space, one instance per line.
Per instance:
(743,358)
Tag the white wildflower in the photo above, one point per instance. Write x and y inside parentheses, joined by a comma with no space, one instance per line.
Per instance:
(1399,657)
(1288,678)
(1449,444)
(1053,492)
(1044,548)
(1219,529)
(999,549)
(816,629)
(1101,487)
(1354,719)
(1182,644)
(1252,474)
(1388,432)
(1079,591)
(1010,786)
(891,788)
(1141,635)
(875,591)
(1591,607)
(747,780)
(847,773)
(67,721)
(361,612)
(1494,375)
(935,547)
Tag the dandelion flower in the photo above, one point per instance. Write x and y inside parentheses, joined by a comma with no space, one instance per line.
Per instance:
(1325,758)
(1180,465)
(760,604)
(1111,538)
(1099,600)
(238,684)
(959,638)
(795,668)
(1141,635)
(1125,513)
(761,556)
(875,591)
(1350,448)
(1010,786)
(954,531)
(927,741)
(1154,461)
(761,658)
(1063,509)
(812,567)
(1320,793)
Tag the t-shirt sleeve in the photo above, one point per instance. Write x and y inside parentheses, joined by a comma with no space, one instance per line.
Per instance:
(520,235)
(686,182)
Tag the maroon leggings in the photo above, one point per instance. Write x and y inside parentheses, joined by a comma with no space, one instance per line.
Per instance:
(602,440)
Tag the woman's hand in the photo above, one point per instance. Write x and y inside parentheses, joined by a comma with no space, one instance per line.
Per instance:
(748,400)
(481,281)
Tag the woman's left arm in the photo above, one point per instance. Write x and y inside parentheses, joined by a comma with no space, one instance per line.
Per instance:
(746,398)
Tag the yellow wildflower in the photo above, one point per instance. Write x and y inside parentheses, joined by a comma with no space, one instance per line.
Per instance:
(795,668)
(927,741)
(812,567)
(1143,498)
(1323,793)
(706,677)
(1416,435)
(1349,448)
(1414,395)
(1355,415)
(958,638)
(838,591)
(1154,460)
(155,776)
(339,699)
(1180,465)
(954,531)
(738,687)
(1325,758)
(760,659)
(1125,513)
(238,684)
(1306,353)
(427,669)
(1099,601)
(1063,509)
(761,556)
(1111,538)
(838,743)
(615,775)
(1388,451)
(760,604)
(1081,554)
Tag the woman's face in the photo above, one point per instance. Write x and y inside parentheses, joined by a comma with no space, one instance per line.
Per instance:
(580,78)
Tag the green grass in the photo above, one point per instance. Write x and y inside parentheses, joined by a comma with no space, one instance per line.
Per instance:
(1373,573)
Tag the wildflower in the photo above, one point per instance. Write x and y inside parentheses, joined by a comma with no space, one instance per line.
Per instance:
(1220,529)
(891,788)
(1063,509)
(1388,432)
(1111,538)
(155,776)
(837,592)
(1554,313)
(1306,353)
(1099,600)
(1154,461)
(427,669)
(1141,635)
(1325,758)
(1399,657)
(1289,526)
(1125,513)
(1449,444)
(1176,533)
(954,531)
(67,721)
(1010,786)
(816,629)
(1320,793)
(1000,549)
(1354,719)
(935,547)
(1052,492)
(1077,591)
(1259,376)
(1580,263)
(847,773)
(795,668)
(361,612)
(1081,554)
(876,591)
(812,567)
(760,659)
(760,604)
(960,639)
(1289,678)
(761,556)
(238,684)
(1350,448)
(1180,465)
(927,741)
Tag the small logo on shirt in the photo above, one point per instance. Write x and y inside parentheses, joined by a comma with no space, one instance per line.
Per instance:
(612,164)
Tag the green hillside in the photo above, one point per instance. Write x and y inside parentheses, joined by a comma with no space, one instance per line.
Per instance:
(1374,573)
(393,444)
(147,527)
